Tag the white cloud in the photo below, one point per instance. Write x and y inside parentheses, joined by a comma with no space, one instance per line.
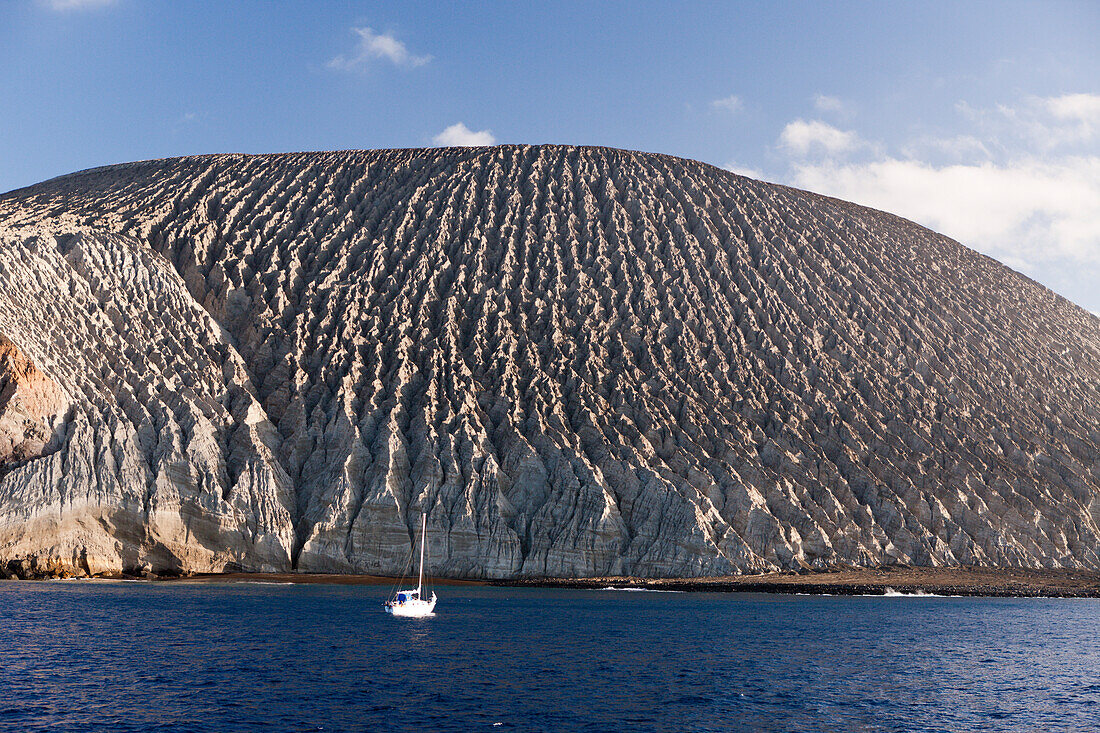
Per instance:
(1022,212)
(956,148)
(825,103)
(458,135)
(1042,123)
(1082,107)
(65,5)
(801,137)
(1019,182)
(376,46)
(744,170)
(731,103)
(1078,116)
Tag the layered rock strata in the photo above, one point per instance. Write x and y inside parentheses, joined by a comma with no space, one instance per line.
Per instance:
(577,361)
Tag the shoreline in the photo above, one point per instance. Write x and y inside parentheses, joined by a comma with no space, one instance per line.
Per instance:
(958,581)
(901,580)
(307,579)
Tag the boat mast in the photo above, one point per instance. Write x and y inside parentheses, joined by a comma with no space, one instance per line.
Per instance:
(423,530)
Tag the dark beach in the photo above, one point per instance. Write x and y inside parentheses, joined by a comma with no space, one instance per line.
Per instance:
(961,581)
(964,581)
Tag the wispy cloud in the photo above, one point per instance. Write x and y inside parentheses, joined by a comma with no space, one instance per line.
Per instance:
(189,121)
(373,46)
(458,135)
(743,170)
(1021,184)
(1081,107)
(825,103)
(952,148)
(732,103)
(62,6)
(801,138)
(1078,115)
(1021,212)
(1045,123)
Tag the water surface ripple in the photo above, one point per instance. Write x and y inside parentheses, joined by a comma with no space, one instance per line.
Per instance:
(84,656)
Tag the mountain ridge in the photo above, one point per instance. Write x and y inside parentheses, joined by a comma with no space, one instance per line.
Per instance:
(579,361)
(228,157)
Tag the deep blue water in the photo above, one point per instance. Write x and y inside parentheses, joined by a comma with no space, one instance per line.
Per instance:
(85,656)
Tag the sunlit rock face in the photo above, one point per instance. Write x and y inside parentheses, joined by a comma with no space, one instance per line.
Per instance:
(28,402)
(577,361)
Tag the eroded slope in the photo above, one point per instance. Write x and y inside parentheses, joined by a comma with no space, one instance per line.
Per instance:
(579,361)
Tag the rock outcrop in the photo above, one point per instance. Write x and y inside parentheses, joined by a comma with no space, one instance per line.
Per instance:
(29,401)
(578,361)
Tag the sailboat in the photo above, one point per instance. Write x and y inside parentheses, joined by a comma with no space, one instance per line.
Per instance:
(408,602)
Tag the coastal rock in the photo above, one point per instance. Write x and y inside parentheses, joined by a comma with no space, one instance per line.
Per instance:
(577,361)
(29,400)
(161,462)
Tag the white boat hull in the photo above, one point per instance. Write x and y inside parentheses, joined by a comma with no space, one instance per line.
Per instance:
(414,608)
(409,603)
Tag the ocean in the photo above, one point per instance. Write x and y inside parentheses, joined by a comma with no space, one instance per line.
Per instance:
(140,656)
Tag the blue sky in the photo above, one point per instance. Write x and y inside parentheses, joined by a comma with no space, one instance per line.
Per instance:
(979,120)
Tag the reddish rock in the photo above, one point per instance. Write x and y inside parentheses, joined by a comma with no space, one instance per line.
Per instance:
(28,399)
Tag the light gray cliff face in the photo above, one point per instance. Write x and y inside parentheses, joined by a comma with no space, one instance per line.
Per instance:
(162,463)
(578,361)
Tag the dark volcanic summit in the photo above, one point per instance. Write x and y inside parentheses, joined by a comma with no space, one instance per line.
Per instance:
(577,361)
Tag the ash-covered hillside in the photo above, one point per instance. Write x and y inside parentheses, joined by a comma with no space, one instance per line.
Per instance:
(577,361)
